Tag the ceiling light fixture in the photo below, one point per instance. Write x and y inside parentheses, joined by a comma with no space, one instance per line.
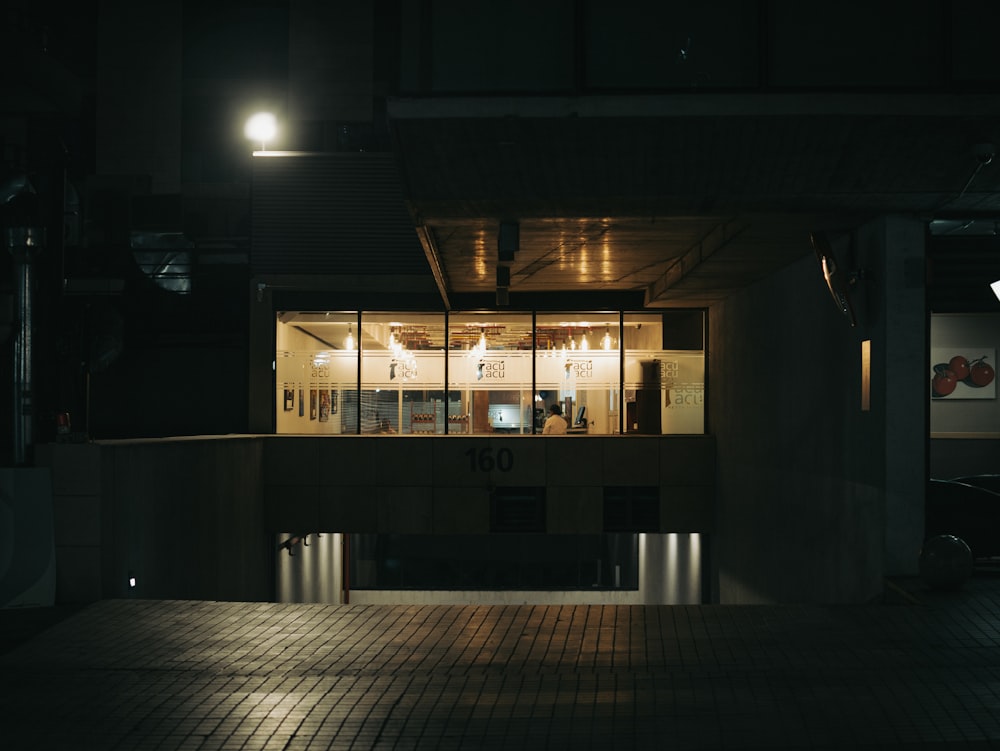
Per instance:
(606,339)
(349,341)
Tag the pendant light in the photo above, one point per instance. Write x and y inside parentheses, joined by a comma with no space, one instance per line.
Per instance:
(606,339)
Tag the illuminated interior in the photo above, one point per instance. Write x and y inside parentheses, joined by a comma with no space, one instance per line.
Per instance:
(352,372)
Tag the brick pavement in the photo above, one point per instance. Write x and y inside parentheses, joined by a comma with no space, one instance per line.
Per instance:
(124,674)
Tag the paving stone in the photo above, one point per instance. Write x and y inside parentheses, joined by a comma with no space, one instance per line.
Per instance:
(126,674)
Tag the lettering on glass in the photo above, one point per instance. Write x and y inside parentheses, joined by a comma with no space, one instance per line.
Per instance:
(490,370)
(580,368)
(404,369)
(686,395)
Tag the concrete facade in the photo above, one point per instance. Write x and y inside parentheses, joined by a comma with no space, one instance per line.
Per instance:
(197,518)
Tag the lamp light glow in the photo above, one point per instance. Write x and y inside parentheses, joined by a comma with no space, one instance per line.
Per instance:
(261,127)
(996,288)
(349,341)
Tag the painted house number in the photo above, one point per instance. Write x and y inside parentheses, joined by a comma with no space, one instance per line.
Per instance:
(487,459)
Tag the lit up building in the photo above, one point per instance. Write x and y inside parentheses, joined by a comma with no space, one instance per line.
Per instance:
(321,356)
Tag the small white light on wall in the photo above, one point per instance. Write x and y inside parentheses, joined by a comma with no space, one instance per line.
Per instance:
(261,127)
(996,288)
(131,580)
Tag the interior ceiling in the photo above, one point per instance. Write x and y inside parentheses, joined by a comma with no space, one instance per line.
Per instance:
(500,330)
(680,210)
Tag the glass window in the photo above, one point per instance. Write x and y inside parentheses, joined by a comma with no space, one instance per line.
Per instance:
(316,371)
(489,373)
(578,367)
(664,388)
(402,373)
(608,372)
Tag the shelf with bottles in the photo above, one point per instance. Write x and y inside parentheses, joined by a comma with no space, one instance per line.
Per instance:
(458,423)
(423,422)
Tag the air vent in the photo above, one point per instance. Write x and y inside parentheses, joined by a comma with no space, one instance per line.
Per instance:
(165,258)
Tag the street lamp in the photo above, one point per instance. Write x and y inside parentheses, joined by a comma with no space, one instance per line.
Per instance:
(261,127)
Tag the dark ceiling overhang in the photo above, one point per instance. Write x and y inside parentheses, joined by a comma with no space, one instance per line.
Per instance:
(676,200)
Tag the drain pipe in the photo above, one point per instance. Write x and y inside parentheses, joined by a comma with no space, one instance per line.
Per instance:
(24,244)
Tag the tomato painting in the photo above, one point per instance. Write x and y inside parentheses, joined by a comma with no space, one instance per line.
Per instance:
(959,366)
(944,383)
(968,375)
(981,373)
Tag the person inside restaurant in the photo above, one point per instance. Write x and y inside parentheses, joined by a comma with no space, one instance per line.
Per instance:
(556,423)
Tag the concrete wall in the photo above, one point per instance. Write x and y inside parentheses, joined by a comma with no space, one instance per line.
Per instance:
(802,496)
(27,545)
(78,518)
(139,116)
(637,46)
(184,517)
(196,518)
(441,484)
(904,383)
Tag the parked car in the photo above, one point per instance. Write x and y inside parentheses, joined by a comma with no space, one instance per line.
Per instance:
(969,512)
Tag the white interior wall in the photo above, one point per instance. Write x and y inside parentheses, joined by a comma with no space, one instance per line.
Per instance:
(290,339)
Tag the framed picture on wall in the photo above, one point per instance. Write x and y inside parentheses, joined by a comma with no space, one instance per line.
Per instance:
(313,397)
(302,405)
(963,373)
(324,406)
(289,399)
(333,401)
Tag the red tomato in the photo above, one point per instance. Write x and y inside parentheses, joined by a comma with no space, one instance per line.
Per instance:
(981,373)
(944,383)
(959,366)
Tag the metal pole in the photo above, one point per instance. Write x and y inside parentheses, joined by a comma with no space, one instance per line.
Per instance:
(24,243)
